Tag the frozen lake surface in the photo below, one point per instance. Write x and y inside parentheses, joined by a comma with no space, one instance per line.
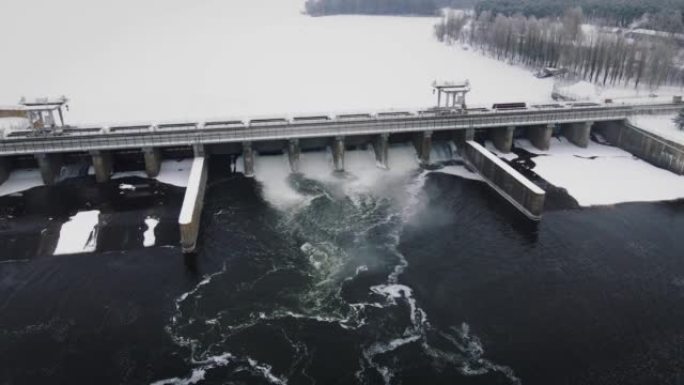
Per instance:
(177,59)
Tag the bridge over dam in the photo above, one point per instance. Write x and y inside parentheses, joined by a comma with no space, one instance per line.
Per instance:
(49,148)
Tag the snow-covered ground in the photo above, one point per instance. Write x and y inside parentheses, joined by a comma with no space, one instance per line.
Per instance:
(177,59)
(661,125)
(586,91)
(79,234)
(21,180)
(601,174)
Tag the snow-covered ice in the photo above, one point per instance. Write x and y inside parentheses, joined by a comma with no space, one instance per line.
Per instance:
(79,234)
(661,125)
(173,172)
(603,175)
(21,180)
(235,58)
(149,239)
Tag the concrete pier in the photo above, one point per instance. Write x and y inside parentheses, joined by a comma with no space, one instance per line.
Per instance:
(381,147)
(338,153)
(102,163)
(152,161)
(510,184)
(293,152)
(578,133)
(656,150)
(540,136)
(4,170)
(423,144)
(502,137)
(50,166)
(191,212)
(463,136)
(248,158)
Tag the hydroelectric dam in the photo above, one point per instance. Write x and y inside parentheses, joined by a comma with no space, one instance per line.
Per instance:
(48,146)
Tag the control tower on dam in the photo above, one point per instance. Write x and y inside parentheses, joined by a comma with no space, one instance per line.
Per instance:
(48,143)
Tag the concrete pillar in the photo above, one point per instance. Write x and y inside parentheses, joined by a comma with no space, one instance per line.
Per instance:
(540,136)
(102,163)
(381,147)
(191,211)
(462,136)
(338,153)
(248,158)
(50,166)
(578,133)
(152,161)
(4,170)
(198,149)
(293,152)
(423,146)
(502,137)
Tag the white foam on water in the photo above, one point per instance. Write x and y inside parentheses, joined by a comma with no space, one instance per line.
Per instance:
(126,187)
(149,239)
(272,172)
(78,234)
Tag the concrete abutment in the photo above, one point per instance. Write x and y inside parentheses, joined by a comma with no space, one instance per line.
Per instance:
(423,144)
(540,136)
(102,163)
(381,148)
(502,137)
(248,158)
(50,166)
(578,133)
(152,161)
(338,153)
(293,154)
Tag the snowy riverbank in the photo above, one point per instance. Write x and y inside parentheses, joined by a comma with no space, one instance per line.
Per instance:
(601,174)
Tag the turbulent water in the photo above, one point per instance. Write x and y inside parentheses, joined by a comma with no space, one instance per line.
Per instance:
(370,276)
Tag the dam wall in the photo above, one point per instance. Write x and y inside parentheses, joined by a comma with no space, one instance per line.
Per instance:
(510,184)
(652,148)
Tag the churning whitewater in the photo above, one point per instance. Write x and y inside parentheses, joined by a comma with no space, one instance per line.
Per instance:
(346,268)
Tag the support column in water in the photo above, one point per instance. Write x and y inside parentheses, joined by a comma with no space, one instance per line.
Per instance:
(540,136)
(248,158)
(338,153)
(50,166)
(424,147)
(381,147)
(462,136)
(578,133)
(293,152)
(4,170)
(502,137)
(152,161)
(102,163)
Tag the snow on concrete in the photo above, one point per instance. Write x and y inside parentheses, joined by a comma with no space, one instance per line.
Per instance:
(603,175)
(79,234)
(21,180)
(149,239)
(192,192)
(9,124)
(661,125)
(235,58)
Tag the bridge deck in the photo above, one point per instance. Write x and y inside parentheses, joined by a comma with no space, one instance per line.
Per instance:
(75,139)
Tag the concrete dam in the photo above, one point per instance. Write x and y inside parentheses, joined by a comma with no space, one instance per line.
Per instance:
(50,146)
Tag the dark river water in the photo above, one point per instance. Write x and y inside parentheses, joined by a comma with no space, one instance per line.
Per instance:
(412,278)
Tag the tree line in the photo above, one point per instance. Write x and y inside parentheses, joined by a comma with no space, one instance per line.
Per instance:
(382,7)
(603,58)
(618,12)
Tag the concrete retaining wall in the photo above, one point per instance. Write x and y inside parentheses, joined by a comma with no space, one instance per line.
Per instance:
(191,212)
(523,194)
(658,151)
